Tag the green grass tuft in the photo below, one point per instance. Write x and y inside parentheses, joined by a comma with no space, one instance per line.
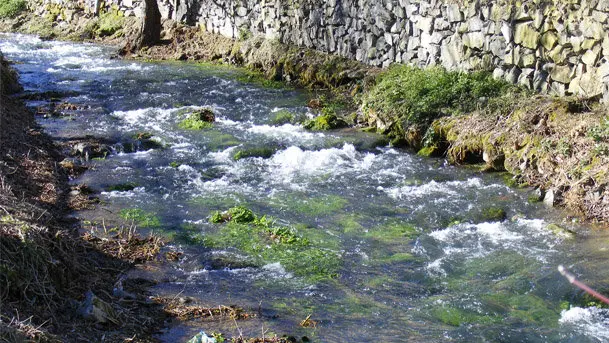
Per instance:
(411,96)
(11,8)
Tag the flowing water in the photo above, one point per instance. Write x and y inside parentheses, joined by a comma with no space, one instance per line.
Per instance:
(389,247)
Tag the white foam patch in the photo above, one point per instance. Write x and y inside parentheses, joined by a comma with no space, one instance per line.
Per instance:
(447,189)
(293,162)
(149,118)
(592,321)
(136,192)
(287,133)
(469,241)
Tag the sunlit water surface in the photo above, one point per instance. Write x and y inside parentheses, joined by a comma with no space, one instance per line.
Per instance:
(413,260)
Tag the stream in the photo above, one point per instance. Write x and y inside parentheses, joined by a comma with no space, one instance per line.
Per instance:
(384,246)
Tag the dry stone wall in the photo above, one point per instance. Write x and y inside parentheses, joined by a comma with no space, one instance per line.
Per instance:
(552,46)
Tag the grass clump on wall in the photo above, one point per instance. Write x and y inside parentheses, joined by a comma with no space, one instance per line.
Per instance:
(405,96)
(11,8)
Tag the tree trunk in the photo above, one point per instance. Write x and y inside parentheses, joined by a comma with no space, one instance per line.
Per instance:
(150,33)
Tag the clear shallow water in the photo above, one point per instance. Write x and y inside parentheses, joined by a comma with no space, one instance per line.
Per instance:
(414,262)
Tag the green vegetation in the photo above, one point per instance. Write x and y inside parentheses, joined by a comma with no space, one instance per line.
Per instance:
(198,120)
(110,23)
(122,187)
(394,232)
(312,206)
(282,117)
(261,151)
(328,118)
(407,97)
(140,217)
(268,242)
(492,214)
(11,8)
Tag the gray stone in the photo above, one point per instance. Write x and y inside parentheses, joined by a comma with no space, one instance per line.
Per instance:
(588,85)
(498,73)
(562,74)
(475,24)
(497,47)
(424,24)
(526,35)
(592,29)
(474,40)
(453,13)
(512,75)
(241,11)
(557,88)
(451,53)
(590,57)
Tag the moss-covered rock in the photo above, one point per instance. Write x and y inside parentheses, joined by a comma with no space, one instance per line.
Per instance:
(256,151)
(198,120)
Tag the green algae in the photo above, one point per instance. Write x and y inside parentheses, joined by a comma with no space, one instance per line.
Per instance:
(256,151)
(140,217)
(324,122)
(268,242)
(394,232)
(198,120)
(492,214)
(283,117)
(454,316)
(218,140)
(122,187)
(311,206)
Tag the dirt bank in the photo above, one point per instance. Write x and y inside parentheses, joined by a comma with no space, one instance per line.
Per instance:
(46,266)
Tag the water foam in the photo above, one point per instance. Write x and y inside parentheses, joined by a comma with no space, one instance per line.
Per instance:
(592,321)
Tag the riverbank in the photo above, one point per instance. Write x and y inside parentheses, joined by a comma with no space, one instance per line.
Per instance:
(57,283)
(557,145)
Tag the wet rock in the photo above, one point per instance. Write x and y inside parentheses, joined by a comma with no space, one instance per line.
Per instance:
(90,150)
(549,198)
(95,309)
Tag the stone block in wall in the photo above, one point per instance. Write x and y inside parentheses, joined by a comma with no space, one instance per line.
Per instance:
(512,57)
(588,85)
(424,24)
(512,75)
(475,24)
(557,89)
(549,40)
(526,78)
(453,13)
(507,32)
(540,80)
(605,46)
(441,24)
(497,47)
(591,56)
(592,29)
(474,40)
(600,17)
(527,59)
(562,74)
(451,52)
(558,54)
(526,35)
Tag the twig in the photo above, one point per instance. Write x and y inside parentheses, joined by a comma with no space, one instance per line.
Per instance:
(564,272)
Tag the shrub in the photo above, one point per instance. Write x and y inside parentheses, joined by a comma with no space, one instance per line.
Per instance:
(11,8)
(413,96)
